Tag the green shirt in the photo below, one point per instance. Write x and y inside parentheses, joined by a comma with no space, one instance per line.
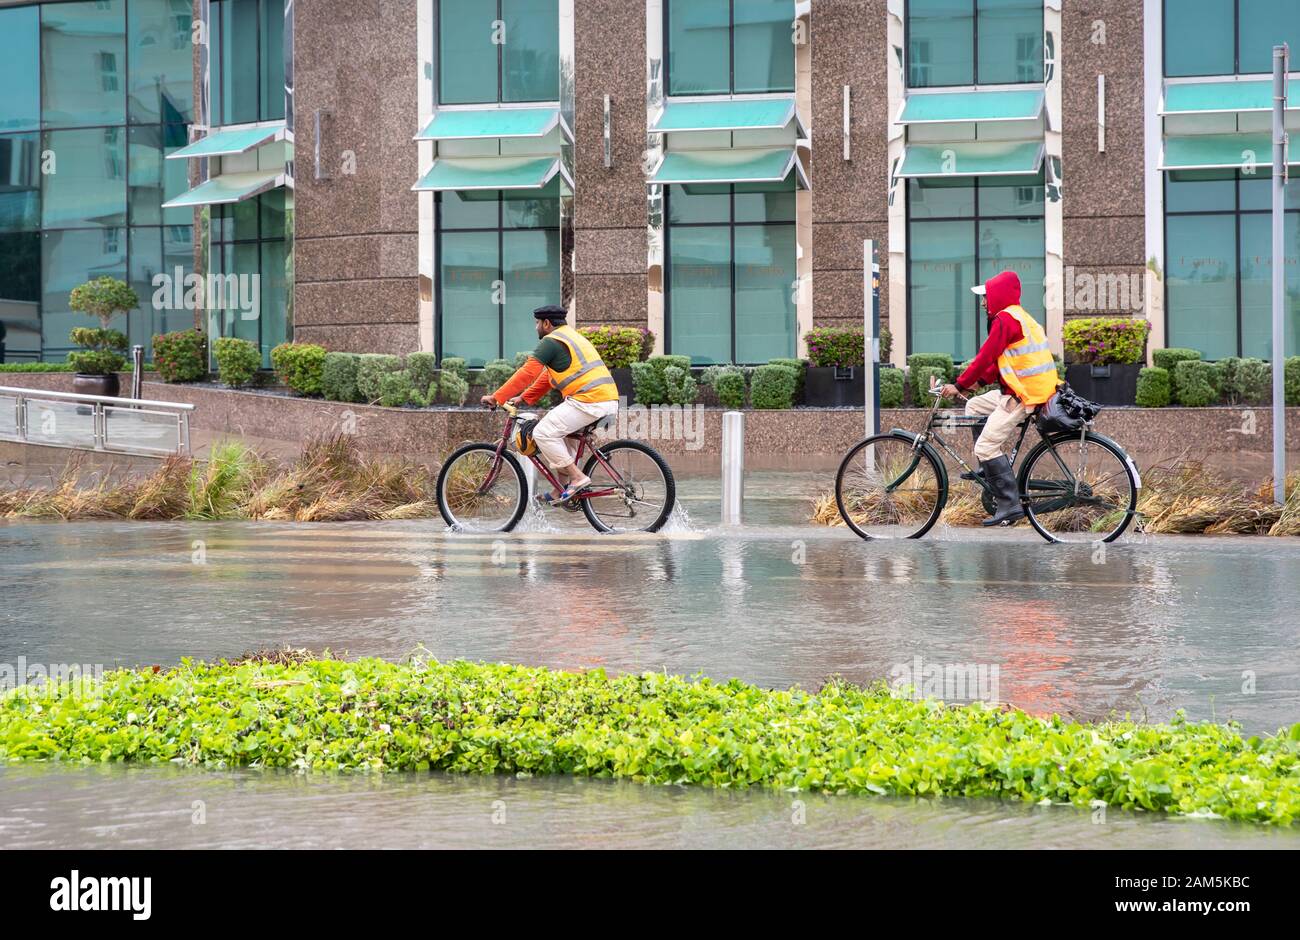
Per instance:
(553,354)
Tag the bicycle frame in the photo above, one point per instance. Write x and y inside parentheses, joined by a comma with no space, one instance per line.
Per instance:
(584,445)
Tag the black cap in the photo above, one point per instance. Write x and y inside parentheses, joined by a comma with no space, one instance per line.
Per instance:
(552,312)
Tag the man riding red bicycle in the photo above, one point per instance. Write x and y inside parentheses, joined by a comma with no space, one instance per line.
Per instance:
(566,361)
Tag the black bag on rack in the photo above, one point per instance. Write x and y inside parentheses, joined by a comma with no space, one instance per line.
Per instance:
(1065,411)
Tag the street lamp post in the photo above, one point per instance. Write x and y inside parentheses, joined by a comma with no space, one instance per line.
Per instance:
(1280,61)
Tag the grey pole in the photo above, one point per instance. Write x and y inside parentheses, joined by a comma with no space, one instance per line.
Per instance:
(871,335)
(137,374)
(733,466)
(1280,57)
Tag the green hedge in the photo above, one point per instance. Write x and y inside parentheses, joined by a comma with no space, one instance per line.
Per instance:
(680,387)
(649,383)
(842,346)
(1291,381)
(237,360)
(496,373)
(181,356)
(300,366)
(338,377)
(1195,383)
(891,387)
(370,369)
(454,364)
(656,729)
(921,375)
(941,361)
(1243,381)
(1153,387)
(35,367)
(729,386)
(453,388)
(1102,340)
(619,346)
(423,367)
(800,367)
(1168,360)
(773,386)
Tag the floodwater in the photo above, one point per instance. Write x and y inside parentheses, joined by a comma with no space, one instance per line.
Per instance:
(1154,625)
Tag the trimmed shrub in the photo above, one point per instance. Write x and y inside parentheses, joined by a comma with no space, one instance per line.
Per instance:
(338,376)
(1106,340)
(921,376)
(35,367)
(773,387)
(181,356)
(941,361)
(237,360)
(1291,381)
(369,370)
(679,386)
(423,367)
(729,386)
(1153,387)
(619,346)
(891,388)
(452,364)
(102,350)
(1168,360)
(521,358)
(841,346)
(652,387)
(800,367)
(396,390)
(1254,381)
(496,373)
(299,366)
(453,388)
(1060,367)
(886,343)
(1194,383)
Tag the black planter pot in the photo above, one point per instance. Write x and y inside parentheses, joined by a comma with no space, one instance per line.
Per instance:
(108,386)
(1106,385)
(623,381)
(835,387)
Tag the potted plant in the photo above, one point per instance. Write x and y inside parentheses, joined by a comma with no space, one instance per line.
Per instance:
(835,377)
(101,357)
(619,347)
(1106,354)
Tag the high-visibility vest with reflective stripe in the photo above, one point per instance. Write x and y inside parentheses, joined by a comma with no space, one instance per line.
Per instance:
(1027,366)
(586,378)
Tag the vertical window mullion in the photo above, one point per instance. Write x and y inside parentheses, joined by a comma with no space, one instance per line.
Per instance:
(501,267)
(975,56)
(731,230)
(1236,261)
(731,82)
(501,82)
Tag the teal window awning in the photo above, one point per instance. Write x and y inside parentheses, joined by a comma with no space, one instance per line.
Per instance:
(471,173)
(729,166)
(229,187)
(1226,97)
(1219,152)
(985,158)
(732,114)
(224,142)
(953,106)
(484,123)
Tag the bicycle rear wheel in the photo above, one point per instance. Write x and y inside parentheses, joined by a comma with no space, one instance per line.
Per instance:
(472,499)
(641,496)
(889,488)
(1079,490)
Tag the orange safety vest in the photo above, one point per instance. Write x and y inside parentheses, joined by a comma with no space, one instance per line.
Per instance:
(1027,366)
(586,378)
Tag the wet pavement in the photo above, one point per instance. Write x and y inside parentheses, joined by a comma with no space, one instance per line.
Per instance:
(1153,625)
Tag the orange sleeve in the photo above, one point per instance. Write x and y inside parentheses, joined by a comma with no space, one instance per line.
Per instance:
(524,378)
(537,391)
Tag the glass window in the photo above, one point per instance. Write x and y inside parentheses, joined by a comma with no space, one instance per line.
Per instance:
(70,258)
(730,46)
(20,76)
(943,313)
(20,182)
(155,179)
(1199,35)
(1201,292)
(20,296)
(503,51)
(469,321)
(1263,24)
(160,63)
(235,62)
(87,185)
(530,55)
(467,55)
(271,61)
(83,54)
(731,272)
(968,42)
(1200,191)
(530,268)
(258,255)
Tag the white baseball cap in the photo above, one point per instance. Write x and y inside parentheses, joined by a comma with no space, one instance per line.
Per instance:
(978,289)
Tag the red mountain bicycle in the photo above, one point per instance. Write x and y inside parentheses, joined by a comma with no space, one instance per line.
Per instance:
(482,487)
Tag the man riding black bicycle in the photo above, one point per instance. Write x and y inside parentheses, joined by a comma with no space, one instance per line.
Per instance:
(1017,357)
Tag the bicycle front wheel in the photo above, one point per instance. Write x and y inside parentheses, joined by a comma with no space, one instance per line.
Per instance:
(890,488)
(478,494)
(639,495)
(1079,490)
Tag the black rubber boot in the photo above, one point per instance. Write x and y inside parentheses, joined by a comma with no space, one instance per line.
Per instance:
(998,472)
(975,431)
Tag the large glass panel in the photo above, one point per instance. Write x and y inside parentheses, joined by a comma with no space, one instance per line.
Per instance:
(766,202)
(271,78)
(467,52)
(69,259)
(1200,191)
(20,182)
(272,294)
(530,55)
(1262,25)
(20,296)
(161,79)
(699,286)
(20,76)
(699,203)
(763,53)
(940,43)
(1257,192)
(699,47)
(1011,195)
(156,302)
(468,210)
(1201,293)
(1198,37)
(87,185)
(524,208)
(235,221)
(83,63)
(531,269)
(765,278)
(469,319)
(271,208)
(941,198)
(1256,265)
(1010,36)
(1014,245)
(235,27)
(941,270)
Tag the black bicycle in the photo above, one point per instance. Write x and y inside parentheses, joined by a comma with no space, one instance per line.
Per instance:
(1074,486)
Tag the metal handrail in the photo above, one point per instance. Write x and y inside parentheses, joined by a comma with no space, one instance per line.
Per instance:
(99,403)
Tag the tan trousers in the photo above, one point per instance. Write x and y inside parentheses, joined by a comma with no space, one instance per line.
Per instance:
(1004,413)
(551,433)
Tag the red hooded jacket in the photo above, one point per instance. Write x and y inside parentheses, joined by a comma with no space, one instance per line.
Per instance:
(1001,291)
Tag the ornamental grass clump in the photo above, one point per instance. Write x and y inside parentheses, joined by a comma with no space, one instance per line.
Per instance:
(369,715)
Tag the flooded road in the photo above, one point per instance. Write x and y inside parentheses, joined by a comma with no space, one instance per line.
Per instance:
(1154,625)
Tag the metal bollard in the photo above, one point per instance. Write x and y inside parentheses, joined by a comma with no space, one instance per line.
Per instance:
(733,467)
(137,376)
